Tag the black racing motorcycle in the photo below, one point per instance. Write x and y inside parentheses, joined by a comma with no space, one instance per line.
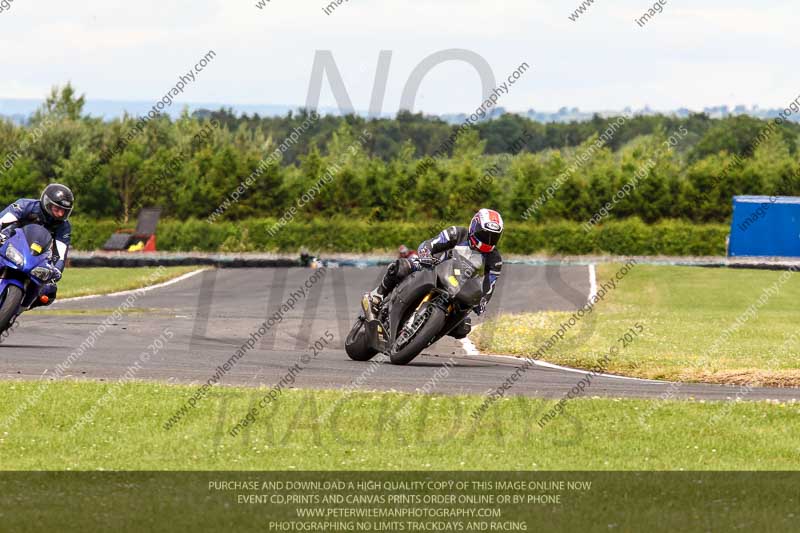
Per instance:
(422,309)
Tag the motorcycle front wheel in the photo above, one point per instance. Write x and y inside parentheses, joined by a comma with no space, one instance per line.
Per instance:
(432,326)
(10,305)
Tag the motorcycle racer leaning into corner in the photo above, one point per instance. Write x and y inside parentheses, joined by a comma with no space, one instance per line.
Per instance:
(51,210)
(482,235)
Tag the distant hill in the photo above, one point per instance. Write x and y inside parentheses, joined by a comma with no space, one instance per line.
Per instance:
(19,110)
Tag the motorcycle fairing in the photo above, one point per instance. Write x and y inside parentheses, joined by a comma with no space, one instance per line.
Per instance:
(34,242)
(461,276)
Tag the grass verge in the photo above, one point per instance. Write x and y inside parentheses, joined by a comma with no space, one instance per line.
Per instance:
(102,280)
(330,430)
(694,324)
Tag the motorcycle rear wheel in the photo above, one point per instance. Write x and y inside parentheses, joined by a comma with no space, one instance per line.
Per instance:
(10,305)
(432,326)
(356,343)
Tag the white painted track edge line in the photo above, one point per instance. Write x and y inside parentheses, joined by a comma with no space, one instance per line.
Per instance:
(545,364)
(592,282)
(471,349)
(148,288)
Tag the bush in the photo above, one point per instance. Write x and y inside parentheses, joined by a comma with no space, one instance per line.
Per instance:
(624,237)
(92,234)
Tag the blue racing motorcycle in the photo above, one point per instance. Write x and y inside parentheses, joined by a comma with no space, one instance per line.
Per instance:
(24,267)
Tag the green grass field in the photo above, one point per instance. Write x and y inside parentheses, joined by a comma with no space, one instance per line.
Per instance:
(325,430)
(697,324)
(102,280)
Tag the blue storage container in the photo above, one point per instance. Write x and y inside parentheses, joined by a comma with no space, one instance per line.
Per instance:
(765,226)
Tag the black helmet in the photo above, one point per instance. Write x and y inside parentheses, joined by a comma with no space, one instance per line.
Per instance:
(59,195)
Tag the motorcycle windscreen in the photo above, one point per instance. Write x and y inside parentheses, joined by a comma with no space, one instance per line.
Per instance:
(470,260)
(39,239)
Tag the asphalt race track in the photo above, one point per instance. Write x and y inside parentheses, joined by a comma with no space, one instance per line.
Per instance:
(211,314)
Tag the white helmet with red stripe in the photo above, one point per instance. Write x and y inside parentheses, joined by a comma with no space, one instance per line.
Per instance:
(485,230)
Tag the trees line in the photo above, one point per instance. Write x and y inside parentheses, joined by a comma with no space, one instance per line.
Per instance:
(190,165)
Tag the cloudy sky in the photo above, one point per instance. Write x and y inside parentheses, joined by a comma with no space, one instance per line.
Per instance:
(693,54)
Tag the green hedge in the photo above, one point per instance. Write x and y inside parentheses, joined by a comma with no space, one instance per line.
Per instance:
(625,237)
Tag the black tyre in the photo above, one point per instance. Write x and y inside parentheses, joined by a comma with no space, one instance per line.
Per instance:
(356,343)
(10,305)
(428,331)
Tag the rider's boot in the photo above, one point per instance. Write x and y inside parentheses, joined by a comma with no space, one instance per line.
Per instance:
(395,273)
(376,300)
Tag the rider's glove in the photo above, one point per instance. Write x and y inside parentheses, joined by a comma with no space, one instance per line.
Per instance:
(56,275)
(7,232)
(481,307)
(425,258)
